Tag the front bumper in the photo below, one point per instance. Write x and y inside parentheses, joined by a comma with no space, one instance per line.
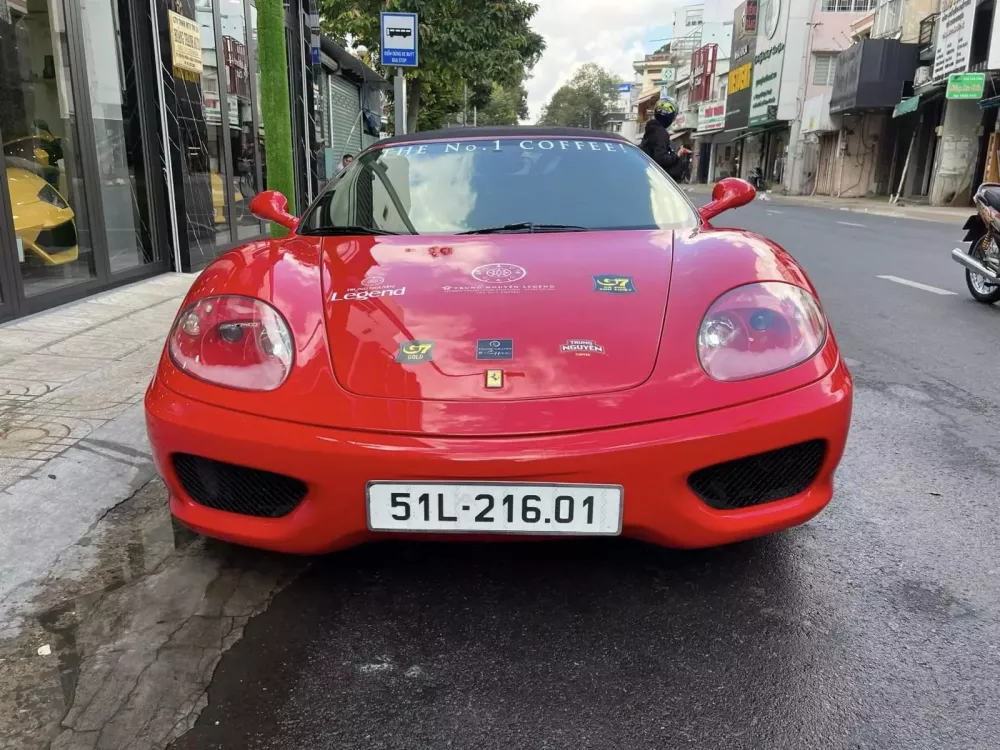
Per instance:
(651,461)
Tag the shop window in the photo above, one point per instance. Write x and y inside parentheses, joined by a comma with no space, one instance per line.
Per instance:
(117,132)
(848,6)
(243,170)
(199,124)
(38,127)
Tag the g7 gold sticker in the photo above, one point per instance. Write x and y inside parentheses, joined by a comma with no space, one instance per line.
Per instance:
(414,352)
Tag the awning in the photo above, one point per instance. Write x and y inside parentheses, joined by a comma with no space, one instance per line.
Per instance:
(779,125)
(906,106)
(679,133)
(722,137)
(643,99)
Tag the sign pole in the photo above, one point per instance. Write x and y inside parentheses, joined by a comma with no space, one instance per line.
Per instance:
(399,99)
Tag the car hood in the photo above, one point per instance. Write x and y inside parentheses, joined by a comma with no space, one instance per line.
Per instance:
(558,314)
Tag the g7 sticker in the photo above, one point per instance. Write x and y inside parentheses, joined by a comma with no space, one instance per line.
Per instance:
(414,352)
(614,284)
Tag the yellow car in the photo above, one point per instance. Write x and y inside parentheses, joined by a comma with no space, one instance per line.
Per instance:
(219,199)
(43,219)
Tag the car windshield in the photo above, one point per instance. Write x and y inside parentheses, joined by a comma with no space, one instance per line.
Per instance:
(499,185)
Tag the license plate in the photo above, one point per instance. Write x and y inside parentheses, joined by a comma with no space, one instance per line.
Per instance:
(573,509)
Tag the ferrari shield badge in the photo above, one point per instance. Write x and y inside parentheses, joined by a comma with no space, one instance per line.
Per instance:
(494,378)
(414,352)
(614,284)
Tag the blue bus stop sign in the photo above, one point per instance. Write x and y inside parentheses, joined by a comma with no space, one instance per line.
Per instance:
(399,39)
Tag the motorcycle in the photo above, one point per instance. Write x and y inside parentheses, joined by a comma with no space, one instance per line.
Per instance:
(982,262)
(756,178)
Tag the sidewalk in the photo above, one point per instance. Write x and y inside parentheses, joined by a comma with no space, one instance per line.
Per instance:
(876,206)
(72,430)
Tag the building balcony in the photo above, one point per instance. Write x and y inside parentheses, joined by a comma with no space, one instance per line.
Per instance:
(888,19)
(927,40)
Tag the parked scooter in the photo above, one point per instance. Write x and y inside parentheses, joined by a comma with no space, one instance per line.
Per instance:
(982,262)
(756,178)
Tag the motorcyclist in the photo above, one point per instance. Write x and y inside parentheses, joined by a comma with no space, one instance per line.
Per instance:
(656,139)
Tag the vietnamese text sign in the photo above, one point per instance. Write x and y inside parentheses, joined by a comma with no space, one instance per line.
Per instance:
(772,26)
(624,88)
(185,45)
(965,86)
(954,37)
(399,39)
(711,116)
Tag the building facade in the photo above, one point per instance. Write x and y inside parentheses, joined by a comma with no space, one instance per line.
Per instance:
(133,141)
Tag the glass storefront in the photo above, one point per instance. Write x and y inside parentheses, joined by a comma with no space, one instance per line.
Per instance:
(132,140)
(39,127)
(217,121)
(75,132)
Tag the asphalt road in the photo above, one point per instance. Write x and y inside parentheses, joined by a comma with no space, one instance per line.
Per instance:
(876,625)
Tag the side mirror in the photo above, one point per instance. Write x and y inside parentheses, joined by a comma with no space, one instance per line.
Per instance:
(731,192)
(273,206)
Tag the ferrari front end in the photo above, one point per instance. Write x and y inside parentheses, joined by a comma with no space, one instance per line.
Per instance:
(383,378)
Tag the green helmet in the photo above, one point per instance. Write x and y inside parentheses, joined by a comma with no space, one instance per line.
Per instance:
(666,110)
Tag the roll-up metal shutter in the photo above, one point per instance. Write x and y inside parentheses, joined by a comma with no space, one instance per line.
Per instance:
(345,103)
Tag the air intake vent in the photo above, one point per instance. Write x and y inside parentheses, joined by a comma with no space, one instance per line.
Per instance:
(237,489)
(761,478)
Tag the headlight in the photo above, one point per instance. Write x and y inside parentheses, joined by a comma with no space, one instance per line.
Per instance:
(238,342)
(50,195)
(759,329)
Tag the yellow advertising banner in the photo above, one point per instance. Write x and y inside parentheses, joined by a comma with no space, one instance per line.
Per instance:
(185,46)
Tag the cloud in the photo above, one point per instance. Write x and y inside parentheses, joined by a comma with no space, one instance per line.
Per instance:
(610,33)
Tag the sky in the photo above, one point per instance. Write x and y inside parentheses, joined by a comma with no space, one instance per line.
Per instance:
(611,33)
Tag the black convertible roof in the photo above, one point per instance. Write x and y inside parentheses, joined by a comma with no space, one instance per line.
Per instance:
(510,131)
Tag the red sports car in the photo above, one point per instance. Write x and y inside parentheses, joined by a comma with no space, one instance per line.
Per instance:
(485,332)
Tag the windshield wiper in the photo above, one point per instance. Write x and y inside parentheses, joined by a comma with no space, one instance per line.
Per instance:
(528,226)
(345,230)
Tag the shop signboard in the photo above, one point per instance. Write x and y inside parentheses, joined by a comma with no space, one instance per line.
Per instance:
(750,17)
(702,71)
(740,84)
(772,24)
(185,46)
(965,86)
(711,116)
(954,37)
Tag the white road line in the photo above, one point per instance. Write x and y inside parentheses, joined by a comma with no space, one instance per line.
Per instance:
(918,285)
(772,211)
(851,224)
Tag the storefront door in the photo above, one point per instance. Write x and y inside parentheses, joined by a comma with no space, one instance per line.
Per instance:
(75,202)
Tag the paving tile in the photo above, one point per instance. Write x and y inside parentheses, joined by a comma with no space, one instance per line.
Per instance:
(13,341)
(94,345)
(34,369)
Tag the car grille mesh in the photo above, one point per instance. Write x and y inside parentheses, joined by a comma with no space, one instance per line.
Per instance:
(761,478)
(237,489)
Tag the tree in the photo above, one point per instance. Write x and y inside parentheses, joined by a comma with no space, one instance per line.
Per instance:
(475,42)
(585,101)
(274,106)
(508,105)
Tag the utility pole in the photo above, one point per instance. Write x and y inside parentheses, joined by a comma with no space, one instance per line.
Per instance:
(465,105)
